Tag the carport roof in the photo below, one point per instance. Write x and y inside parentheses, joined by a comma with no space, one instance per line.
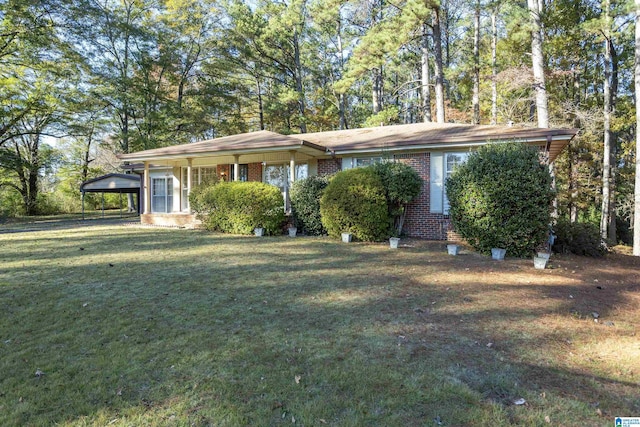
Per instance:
(112,183)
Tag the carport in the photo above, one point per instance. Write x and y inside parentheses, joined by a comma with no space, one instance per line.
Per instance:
(112,183)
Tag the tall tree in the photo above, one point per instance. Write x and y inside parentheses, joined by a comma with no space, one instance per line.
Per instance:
(636,75)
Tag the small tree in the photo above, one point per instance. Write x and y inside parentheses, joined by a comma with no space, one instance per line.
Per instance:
(305,201)
(402,184)
(501,197)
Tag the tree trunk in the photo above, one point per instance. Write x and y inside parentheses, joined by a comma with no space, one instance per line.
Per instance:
(298,77)
(476,65)
(342,99)
(376,89)
(537,60)
(260,106)
(426,82)
(494,67)
(636,77)
(437,45)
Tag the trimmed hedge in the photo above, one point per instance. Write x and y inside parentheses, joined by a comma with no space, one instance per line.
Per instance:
(355,202)
(305,203)
(402,184)
(239,207)
(501,198)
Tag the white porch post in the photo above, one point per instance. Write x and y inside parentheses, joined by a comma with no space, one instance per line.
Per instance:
(236,167)
(189,163)
(147,189)
(292,166)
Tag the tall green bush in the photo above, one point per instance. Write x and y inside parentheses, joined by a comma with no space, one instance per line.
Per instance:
(402,184)
(305,202)
(355,202)
(580,238)
(501,197)
(239,207)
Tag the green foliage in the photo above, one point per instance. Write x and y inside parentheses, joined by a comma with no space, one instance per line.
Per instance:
(355,202)
(402,184)
(239,207)
(580,238)
(502,198)
(305,202)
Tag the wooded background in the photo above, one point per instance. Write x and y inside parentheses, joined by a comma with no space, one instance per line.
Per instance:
(117,76)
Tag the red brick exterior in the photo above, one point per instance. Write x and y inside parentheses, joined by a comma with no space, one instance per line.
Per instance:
(419,221)
(255,172)
(329,166)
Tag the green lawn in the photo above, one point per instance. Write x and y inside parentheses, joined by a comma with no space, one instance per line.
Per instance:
(142,326)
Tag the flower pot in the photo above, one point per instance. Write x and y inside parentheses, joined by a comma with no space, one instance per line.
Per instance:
(545,255)
(293,231)
(540,263)
(453,249)
(346,237)
(393,242)
(498,253)
(258,231)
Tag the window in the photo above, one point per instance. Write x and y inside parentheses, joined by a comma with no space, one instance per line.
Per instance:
(185,189)
(162,195)
(366,161)
(244,173)
(278,175)
(451,162)
(200,175)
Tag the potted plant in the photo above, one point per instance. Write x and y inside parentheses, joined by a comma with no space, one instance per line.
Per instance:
(453,249)
(498,253)
(540,263)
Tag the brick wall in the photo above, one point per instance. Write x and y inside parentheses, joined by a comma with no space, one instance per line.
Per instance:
(329,166)
(255,172)
(419,221)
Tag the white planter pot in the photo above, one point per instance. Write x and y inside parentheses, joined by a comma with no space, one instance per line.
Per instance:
(545,255)
(259,232)
(453,249)
(346,237)
(293,231)
(498,253)
(393,242)
(540,263)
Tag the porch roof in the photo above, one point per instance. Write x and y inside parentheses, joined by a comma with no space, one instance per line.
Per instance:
(245,143)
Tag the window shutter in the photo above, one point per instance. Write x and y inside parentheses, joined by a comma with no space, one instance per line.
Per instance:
(436,179)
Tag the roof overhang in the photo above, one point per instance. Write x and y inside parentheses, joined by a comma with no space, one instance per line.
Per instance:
(262,142)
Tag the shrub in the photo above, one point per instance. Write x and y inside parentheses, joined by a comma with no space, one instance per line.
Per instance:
(239,207)
(578,238)
(501,197)
(355,202)
(305,202)
(402,184)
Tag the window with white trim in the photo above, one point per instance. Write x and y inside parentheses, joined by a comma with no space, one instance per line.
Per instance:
(360,162)
(451,162)
(162,195)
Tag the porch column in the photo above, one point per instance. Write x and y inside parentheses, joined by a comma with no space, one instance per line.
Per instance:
(236,167)
(292,166)
(147,189)
(189,163)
